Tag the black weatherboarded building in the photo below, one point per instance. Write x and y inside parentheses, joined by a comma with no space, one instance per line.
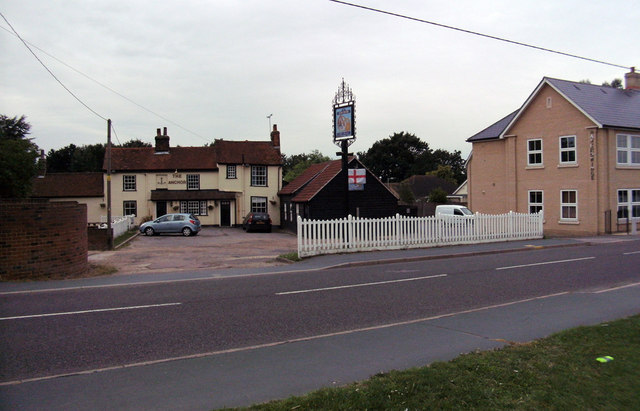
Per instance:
(318,194)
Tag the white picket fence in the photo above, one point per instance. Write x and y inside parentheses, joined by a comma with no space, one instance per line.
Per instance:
(119,224)
(354,234)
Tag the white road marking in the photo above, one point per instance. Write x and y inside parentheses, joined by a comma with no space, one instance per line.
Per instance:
(617,288)
(633,252)
(360,285)
(136,307)
(277,343)
(545,263)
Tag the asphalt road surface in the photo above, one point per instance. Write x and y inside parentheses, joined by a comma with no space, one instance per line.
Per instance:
(62,332)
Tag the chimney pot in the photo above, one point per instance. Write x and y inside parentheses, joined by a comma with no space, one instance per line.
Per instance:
(165,132)
(158,132)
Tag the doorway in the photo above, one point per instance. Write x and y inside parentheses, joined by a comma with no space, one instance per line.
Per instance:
(225,213)
(161,208)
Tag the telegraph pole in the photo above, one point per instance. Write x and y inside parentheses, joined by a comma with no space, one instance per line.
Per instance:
(109,230)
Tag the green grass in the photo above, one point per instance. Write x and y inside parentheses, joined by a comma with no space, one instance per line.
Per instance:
(556,373)
(293,256)
(124,237)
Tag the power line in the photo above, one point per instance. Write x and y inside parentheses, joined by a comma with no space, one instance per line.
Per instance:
(476,33)
(49,71)
(101,84)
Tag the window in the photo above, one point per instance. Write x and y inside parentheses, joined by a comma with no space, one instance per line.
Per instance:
(231,171)
(259,204)
(259,176)
(194,207)
(568,150)
(534,152)
(628,150)
(193,181)
(628,204)
(569,205)
(129,183)
(535,202)
(129,208)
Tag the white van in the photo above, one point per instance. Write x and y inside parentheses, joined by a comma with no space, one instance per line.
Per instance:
(451,210)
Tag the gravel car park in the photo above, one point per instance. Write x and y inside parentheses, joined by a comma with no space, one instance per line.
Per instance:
(213,248)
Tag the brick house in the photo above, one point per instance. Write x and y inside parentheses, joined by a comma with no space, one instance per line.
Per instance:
(220,183)
(318,193)
(572,151)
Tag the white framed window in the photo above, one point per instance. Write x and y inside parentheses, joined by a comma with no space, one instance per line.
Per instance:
(534,152)
(195,207)
(628,149)
(568,150)
(231,171)
(193,181)
(569,205)
(259,176)
(259,204)
(129,183)
(535,201)
(628,204)
(129,208)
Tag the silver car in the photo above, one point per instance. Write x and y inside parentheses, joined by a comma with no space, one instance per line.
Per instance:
(184,223)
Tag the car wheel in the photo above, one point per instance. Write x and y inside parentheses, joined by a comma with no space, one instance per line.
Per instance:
(149,231)
(186,231)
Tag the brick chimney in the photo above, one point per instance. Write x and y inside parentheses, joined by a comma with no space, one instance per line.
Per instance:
(162,142)
(275,137)
(632,80)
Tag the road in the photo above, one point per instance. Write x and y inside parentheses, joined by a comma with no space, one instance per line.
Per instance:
(67,331)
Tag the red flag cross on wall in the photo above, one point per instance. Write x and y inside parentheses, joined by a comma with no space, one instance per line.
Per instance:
(357,176)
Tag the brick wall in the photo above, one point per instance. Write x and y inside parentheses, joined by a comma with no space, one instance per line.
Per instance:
(41,238)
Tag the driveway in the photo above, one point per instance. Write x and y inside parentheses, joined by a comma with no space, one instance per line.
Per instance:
(212,248)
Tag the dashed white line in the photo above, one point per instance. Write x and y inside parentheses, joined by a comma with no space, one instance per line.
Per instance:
(313,290)
(545,263)
(632,252)
(136,307)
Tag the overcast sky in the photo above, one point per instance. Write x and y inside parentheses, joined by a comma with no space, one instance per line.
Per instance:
(217,69)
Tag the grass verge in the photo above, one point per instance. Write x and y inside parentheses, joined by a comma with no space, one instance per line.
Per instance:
(556,373)
(293,256)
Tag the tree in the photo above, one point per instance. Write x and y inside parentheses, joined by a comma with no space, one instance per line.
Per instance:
(398,157)
(86,158)
(438,195)
(138,143)
(616,83)
(293,166)
(18,157)
(454,161)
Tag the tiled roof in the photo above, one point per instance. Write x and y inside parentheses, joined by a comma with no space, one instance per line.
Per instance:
(313,187)
(194,158)
(146,159)
(608,106)
(247,152)
(316,177)
(60,185)
(306,176)
(605,106)
(495,130)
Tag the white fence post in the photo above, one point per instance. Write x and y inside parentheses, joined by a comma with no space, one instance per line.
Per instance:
(352,234)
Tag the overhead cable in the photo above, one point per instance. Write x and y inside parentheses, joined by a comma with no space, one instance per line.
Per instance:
(103,85)
(49,71)
(476,33)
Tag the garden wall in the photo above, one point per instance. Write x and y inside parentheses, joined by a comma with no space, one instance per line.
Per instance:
(41,238)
